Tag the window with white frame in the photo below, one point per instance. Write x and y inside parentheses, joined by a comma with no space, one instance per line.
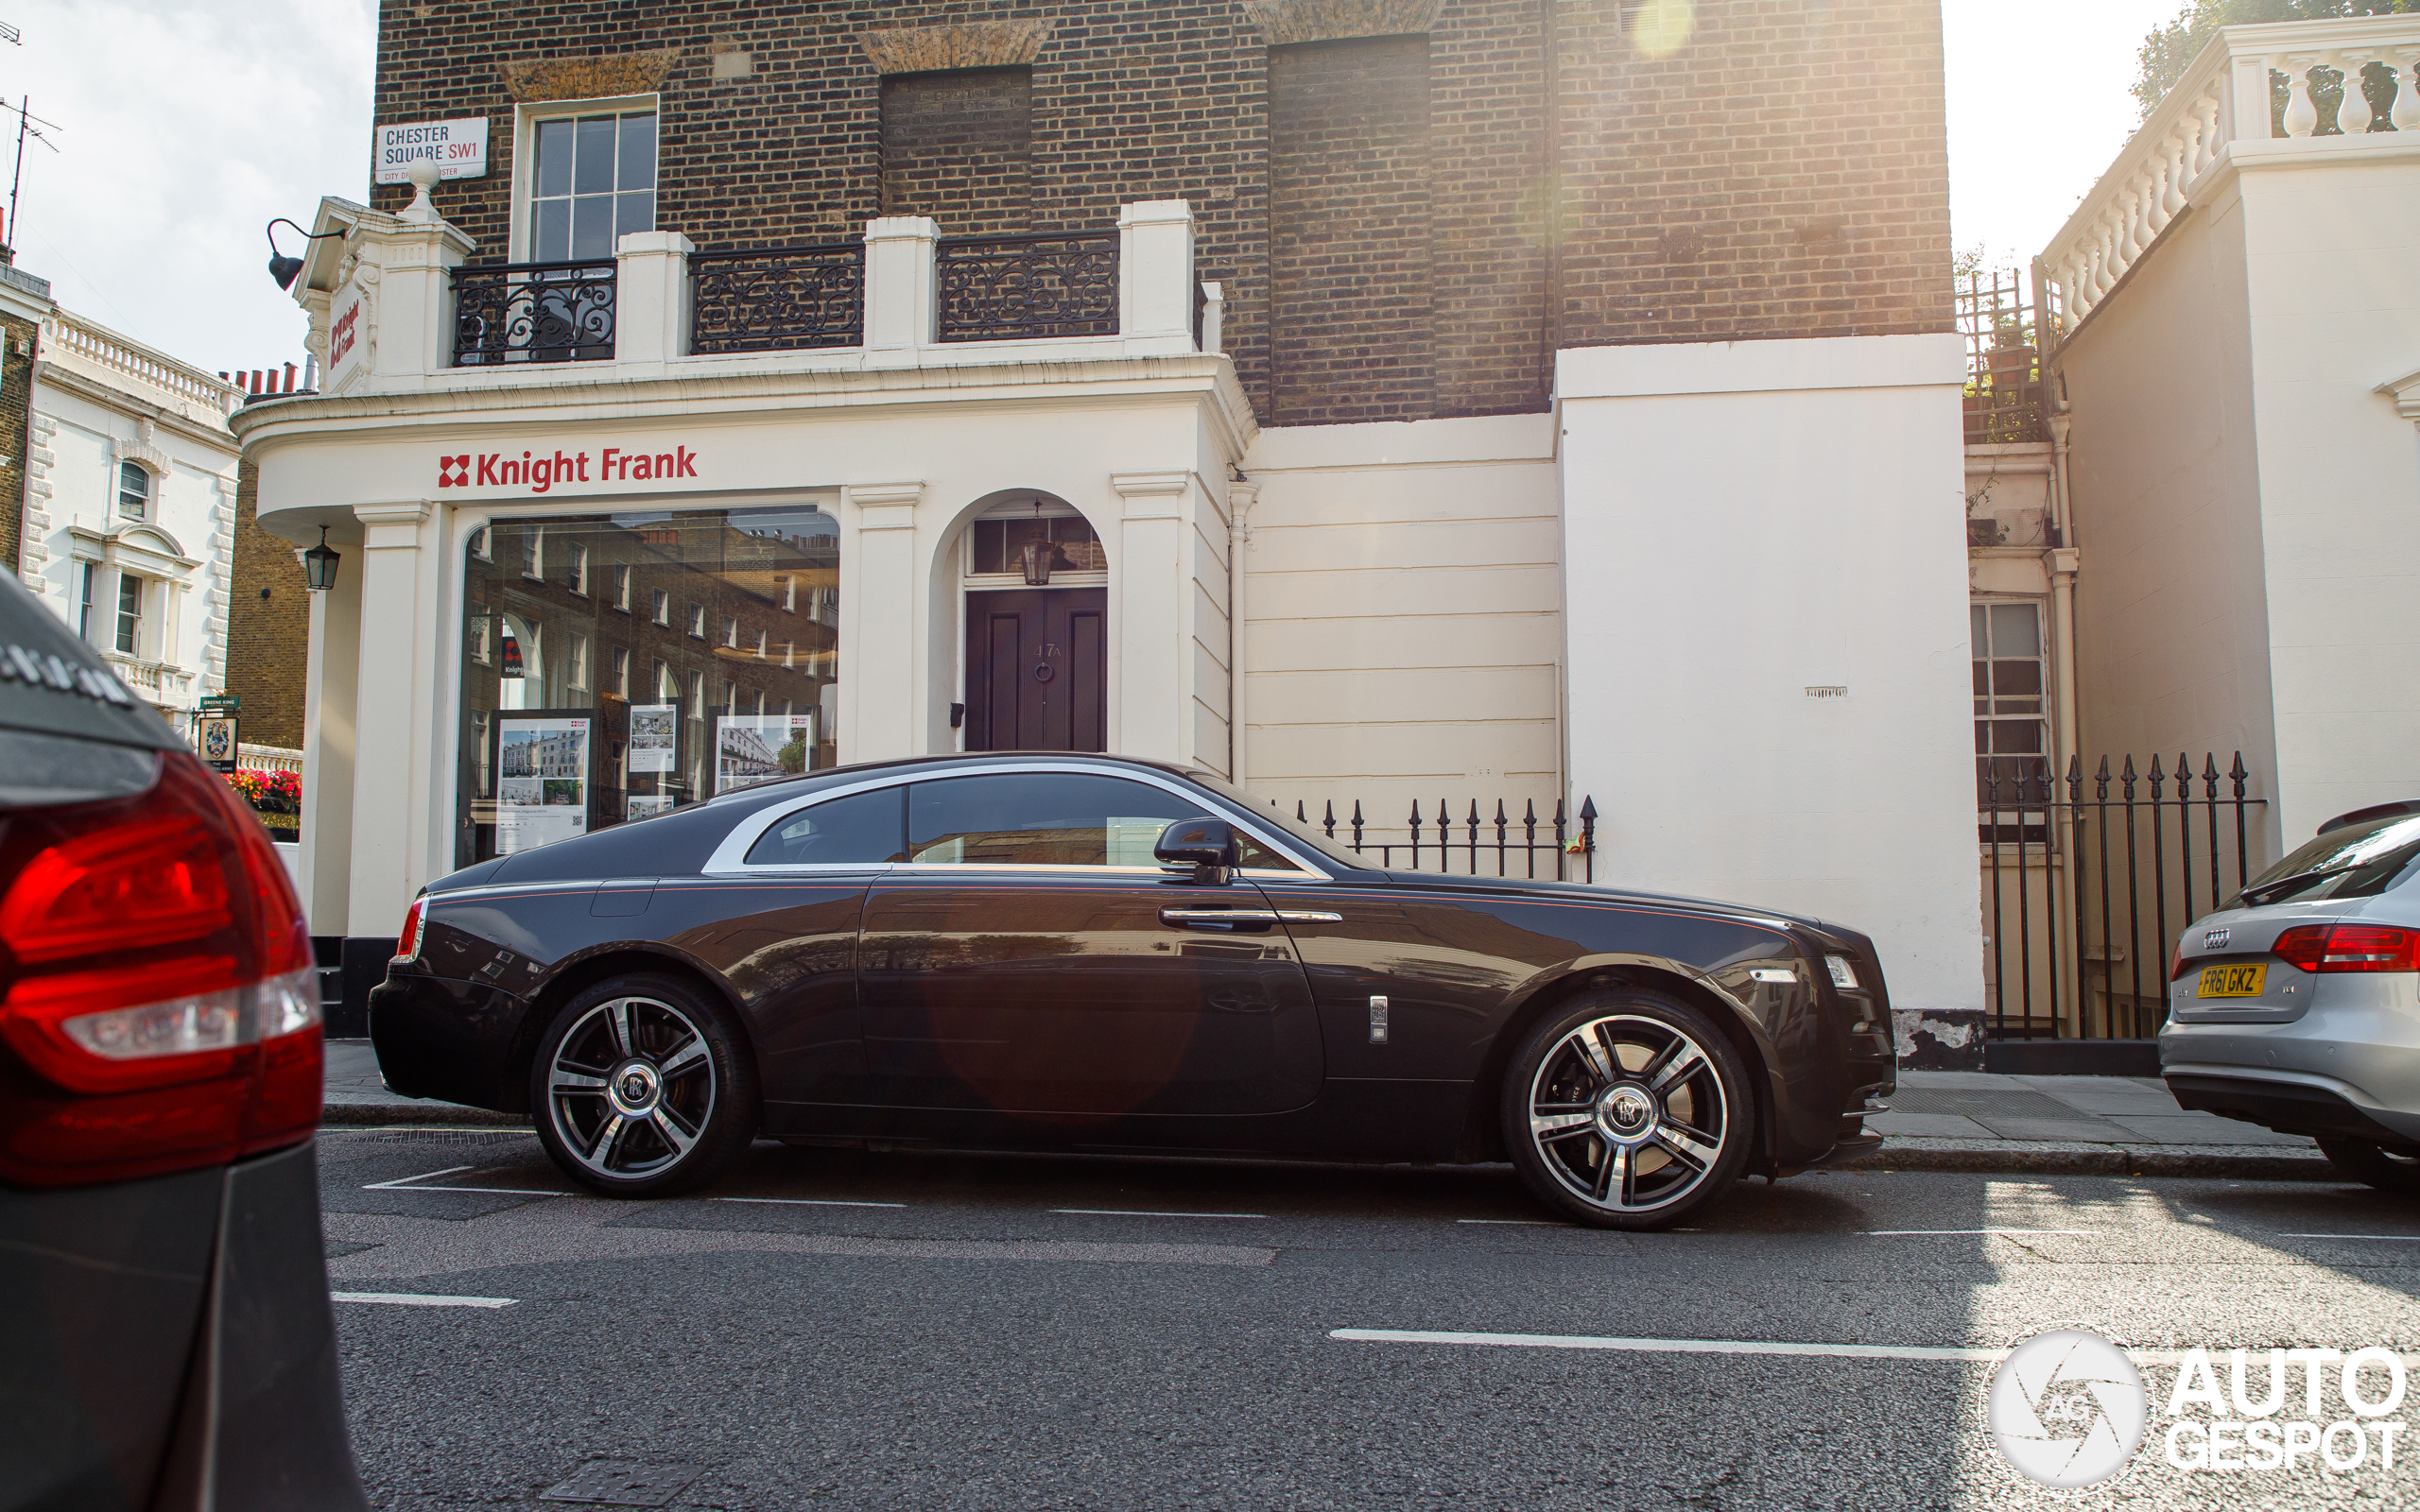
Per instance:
(662,612)
(698,621)
(578,662)
(129,613)
(622,587)
(697,696)
(731,632)
(576,577)
(786,589)
(2011,717)
(622,673)
(533,553)
(480,621)
(591,182)
(133,489)
(88,575)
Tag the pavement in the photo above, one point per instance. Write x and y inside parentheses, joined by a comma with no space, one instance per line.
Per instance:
(927,1329)
(1938,1121)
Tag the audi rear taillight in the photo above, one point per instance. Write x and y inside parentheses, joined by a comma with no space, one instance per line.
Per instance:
(2325,948)
(156,982)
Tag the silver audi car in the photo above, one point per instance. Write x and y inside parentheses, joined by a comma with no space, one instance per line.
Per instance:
(2297,1006)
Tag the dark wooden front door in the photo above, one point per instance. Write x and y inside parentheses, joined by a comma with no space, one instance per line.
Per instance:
(1037,669)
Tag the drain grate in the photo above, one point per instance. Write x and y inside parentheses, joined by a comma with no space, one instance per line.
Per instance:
(1980,1104)
(622,1483)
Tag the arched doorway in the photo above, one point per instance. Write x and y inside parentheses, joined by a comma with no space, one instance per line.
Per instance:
(1036,583)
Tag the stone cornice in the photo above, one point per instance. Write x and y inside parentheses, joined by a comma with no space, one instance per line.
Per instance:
(1125,381)
(49,374)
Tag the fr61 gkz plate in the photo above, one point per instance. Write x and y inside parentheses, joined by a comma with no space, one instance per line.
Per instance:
(2231,981)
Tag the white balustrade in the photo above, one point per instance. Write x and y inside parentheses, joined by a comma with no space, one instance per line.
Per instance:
(100,346)
(2223,97)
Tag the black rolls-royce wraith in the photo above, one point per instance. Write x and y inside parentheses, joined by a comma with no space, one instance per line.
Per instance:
(1092,952)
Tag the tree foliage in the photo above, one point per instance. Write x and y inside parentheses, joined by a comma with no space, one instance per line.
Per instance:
(2167,51)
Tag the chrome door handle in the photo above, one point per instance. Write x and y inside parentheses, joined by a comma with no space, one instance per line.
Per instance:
(1308,915)
(1216,918)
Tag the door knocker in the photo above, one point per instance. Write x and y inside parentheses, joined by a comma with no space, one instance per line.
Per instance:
(1042,672)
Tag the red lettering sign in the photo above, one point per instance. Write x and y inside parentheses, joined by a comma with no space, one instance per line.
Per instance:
(542,472)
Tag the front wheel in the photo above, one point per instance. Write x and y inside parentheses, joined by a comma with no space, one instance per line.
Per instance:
(1627,1111)
(641,1088)
(2373,1165)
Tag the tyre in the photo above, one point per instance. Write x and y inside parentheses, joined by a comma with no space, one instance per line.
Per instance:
(2387,1170)
(643,1087)
(1627,1110)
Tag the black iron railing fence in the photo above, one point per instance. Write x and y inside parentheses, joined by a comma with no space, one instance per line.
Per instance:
(778,299)
(999,288)
(1443,844)
(533,312)
(2089,880)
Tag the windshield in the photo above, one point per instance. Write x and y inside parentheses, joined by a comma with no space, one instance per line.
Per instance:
(2355,860)
(1265,811)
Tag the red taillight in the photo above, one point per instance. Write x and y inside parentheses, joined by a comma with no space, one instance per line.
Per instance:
(2176,962)
(2348,948)
(155,970)
(407,943)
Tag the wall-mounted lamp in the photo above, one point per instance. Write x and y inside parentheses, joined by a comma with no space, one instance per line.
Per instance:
(281,267)
(1036,554)
(319,565)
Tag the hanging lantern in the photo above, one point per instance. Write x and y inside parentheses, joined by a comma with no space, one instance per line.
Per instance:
(319,565)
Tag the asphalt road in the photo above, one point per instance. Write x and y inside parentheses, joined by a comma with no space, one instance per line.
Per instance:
(923,1331)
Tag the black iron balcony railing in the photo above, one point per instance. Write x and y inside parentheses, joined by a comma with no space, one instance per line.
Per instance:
(778,299)
(1005,288)
(533,312)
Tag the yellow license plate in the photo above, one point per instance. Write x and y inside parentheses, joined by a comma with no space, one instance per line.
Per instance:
(2231,981)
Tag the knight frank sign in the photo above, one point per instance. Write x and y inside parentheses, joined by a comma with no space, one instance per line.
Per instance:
(540,472)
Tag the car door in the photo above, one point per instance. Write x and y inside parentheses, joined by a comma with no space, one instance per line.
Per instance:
(1031,958)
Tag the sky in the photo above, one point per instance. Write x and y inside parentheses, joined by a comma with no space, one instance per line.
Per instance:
(183,125)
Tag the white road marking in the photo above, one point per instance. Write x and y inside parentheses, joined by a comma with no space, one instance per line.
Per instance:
(1952,1354)
(1580,1341)
(812,1202)
(1142,1212)
(410,1183)
(421,1299)
(1903,1233)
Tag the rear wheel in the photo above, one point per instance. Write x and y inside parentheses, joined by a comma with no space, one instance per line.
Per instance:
(643,1087)
(2387,1170)
(1627,1111)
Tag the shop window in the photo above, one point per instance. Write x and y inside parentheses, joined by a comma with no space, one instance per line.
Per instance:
(555,744)
(133,489)
(593,184)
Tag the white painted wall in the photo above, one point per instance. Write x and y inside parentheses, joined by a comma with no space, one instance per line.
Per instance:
(1744,521)
(1403,617)
(2248,505)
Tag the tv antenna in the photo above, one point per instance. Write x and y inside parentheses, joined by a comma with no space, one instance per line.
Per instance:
(28,125)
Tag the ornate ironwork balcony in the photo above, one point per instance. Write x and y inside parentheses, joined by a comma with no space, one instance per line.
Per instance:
(778,299)
(999,288)
(533,312)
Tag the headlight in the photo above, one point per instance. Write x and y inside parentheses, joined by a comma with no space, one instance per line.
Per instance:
(1844,975)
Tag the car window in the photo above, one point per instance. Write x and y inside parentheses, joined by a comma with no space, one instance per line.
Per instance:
(1048,820)
(2352,860)
(863,828)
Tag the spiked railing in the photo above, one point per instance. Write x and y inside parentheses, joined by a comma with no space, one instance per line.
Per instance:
(2065,869)
(1568,856)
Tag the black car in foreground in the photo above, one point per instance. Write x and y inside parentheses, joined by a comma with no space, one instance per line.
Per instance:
(165,1340)
(1085,952)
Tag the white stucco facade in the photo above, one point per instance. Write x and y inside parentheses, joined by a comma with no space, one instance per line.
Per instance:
(1766,586)
(2247,479)
(130,510)
(1387,613)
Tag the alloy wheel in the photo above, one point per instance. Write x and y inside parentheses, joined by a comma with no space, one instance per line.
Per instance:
(1628,1113)
(632,1088)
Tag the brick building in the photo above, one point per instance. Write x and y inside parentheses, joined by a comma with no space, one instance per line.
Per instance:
(1403,400)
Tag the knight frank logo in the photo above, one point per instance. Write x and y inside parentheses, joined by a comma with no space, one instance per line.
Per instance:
(538,471)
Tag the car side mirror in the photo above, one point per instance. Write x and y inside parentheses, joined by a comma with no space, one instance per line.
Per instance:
(1208,846)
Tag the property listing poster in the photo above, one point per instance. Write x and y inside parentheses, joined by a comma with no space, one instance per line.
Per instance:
(751,749)
(643,804)
(542,781)
(653,727)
